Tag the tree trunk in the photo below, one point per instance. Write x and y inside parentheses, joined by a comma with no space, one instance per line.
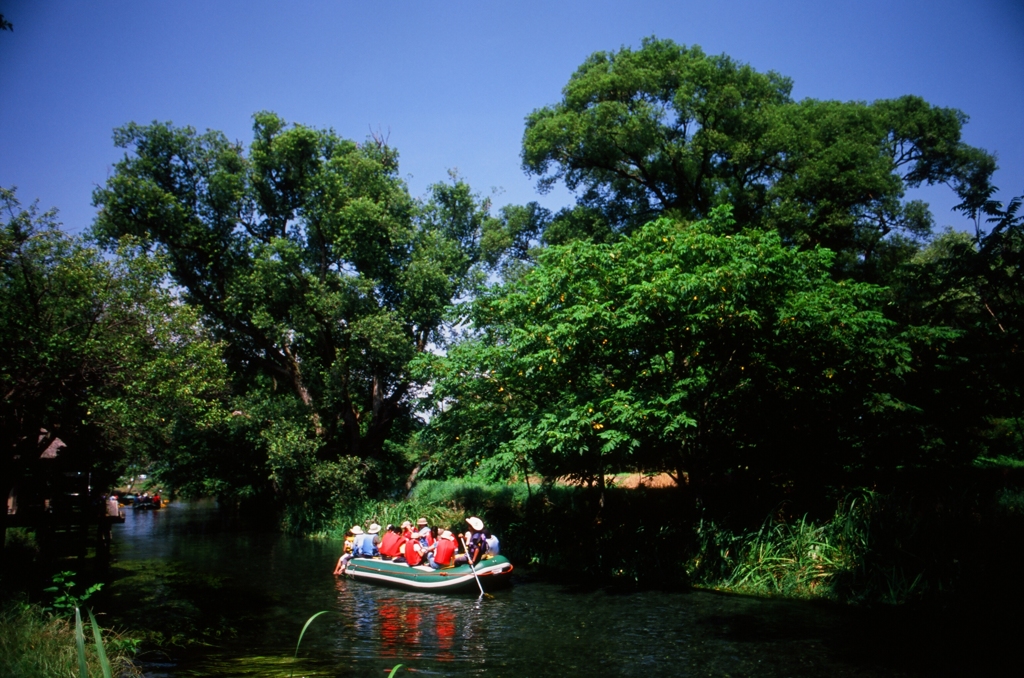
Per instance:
(526,478)
(411,480)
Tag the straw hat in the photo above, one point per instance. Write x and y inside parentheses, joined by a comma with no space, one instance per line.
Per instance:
(448,535)
(422,522)
(475,523)
(374,528)
(356,530)
(406,524)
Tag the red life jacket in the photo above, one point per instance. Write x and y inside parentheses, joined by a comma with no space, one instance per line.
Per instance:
(444,552)
(389,545)
(412,556)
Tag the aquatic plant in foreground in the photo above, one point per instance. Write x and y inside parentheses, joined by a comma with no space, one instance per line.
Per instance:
(302,633)
(36,644)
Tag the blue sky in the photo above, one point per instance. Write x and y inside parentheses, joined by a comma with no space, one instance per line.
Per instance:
(450,82)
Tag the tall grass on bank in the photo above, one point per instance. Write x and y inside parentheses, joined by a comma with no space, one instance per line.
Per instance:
(876,548)
(798,560)
(795,559)
(36,644)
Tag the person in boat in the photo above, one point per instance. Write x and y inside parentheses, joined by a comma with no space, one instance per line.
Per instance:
(476,543)
(443,552)
(423,531)
(346,551)
(493,545)
(367,544)
(427,537)
(390,542)
(411,551)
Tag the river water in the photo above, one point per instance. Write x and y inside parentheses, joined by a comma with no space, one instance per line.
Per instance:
(247,594)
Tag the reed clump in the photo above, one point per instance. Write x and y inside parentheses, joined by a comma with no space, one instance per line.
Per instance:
(874,549)
(799,559)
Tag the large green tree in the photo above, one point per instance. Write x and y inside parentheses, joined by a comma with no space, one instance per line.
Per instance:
(669,129)
(95,351)
(683,348)
(309,258)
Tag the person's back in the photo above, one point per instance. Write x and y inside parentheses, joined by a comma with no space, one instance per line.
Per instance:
(363,546)
(389,545)
(444,553)
(413,551)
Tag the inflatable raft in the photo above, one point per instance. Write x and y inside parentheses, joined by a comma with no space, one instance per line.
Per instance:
(493,572)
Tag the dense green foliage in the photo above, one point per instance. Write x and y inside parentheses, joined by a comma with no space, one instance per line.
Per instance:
(95,351)
(308,257)
(680,348)
(670,129)
(747,346)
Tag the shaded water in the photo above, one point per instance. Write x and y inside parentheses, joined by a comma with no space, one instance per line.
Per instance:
(246,595)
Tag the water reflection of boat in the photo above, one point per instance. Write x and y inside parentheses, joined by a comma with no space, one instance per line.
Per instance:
(411,627)
(493,573)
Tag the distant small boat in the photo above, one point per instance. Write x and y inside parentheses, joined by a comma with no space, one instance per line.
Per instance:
(493,572)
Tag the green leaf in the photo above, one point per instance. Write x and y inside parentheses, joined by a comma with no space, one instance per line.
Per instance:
(83,667)
(100,650)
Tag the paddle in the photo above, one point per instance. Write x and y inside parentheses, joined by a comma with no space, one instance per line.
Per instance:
(469,559)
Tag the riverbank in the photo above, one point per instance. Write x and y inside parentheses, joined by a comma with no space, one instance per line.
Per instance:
(929,542)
